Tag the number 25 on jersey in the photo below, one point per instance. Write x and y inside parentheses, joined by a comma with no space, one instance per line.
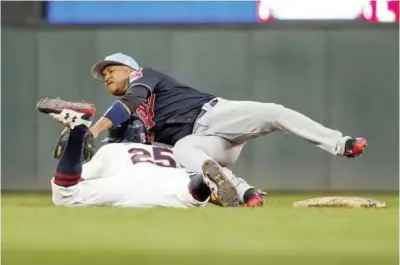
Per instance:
(157,155)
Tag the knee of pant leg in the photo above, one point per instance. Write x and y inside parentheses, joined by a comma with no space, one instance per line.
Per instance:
(188,154)
(180,148)
(191,151)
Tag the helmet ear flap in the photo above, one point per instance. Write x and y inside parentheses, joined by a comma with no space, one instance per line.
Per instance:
(116,134)
(131,131)
(136,132)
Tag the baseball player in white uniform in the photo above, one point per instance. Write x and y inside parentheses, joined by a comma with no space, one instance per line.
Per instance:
(128,174)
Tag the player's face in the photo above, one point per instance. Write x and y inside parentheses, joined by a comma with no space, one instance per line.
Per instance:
(116,79)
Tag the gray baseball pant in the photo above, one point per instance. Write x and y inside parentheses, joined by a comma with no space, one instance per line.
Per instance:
(222,131)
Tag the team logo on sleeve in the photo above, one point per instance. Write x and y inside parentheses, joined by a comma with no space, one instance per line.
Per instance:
(135,75)
(145,112)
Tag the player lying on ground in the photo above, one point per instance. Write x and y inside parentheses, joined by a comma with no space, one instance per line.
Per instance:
(201,124)
(140,150)
(119,180)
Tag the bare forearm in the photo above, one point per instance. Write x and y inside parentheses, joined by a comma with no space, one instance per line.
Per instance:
(101,125)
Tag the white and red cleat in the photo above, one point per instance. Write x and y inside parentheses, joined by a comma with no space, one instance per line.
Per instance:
(68,113)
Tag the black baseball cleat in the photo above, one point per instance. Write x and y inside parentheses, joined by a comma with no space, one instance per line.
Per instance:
(220,186)
(68,113)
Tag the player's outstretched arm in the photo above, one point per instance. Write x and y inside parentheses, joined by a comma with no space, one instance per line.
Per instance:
(115,115)
(101,125)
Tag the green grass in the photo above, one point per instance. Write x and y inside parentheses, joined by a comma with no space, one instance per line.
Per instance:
(35,232)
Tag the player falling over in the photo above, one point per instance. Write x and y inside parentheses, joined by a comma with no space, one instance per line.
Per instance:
(114,178)
(200,125)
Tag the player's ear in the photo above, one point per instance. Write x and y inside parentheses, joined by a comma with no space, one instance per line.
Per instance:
(128,69)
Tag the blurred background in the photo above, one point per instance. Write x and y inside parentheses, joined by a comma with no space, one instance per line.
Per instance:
(336,62)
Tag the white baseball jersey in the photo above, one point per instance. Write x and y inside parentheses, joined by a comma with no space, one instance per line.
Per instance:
(129,175)
(113,158)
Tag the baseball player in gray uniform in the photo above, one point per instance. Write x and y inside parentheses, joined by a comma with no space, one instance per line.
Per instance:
(200,125)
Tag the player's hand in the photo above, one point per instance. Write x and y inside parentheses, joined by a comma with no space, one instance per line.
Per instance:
(62,140)
(89,148)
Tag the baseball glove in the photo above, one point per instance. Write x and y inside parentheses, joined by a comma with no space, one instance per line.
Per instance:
(89,148)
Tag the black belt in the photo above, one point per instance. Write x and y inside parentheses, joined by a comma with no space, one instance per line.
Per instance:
(212,104)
